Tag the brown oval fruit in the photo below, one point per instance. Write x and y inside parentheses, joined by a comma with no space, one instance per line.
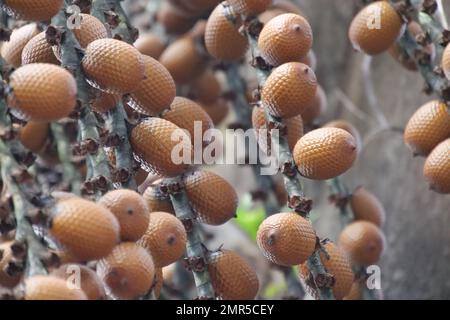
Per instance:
(347,126)
(338,266)
(325,153)
(50,288)
(88,230)
(289,90)
(286,239)
(156,200)
(128,271)
(212,197)
(90,29)
(172,20)
(363,241)
(34,135)
(152,143)
(36,10)
(232,277)
(156,92)
(367,207)
(11,50)
(217,111)
(150,44)
(165,238)
(104,101)
(222,38)
(249,7)
(113,65)
(206,88)
(437,168)
(316,108)
(375,28)
(38,50)
(42,92)
(6,255)
(285,38)
(428,126)
(158,283)
(130,210)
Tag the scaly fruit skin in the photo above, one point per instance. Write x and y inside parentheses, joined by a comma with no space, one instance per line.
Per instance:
(91,29)
(325,153)
(165,238)
(285,38)
(156,92)
(131,211)
(104,101)
(428,126)
(36,10)
(6,255)
(212,197)
(317,107)
(347,126)
(113,65)
(50,288)
(157,201)
(38,50)
(437,168)
(371,38)
(363,241)
(232,276)
(367,207)
(11,50)
(338,266)
(128,271)
(152,143)
(206,88)
(150,44)
(42,92)
(445,61)
(34,135)
(222,38)
(289,90)
(286,239)
(249,7)
(217,111)
(88,230)
(89,281)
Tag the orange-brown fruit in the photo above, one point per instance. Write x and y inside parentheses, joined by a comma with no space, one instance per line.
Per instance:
(367,207)
(286,239)
(38,50)
(249,7)
(128,271)
(212,197)
(156,201)
(347,126)
(172,20)
(51,288)
(7,280)
(375,28)
(217,111)
(437,168)
(156,92)
(222,38)
(286,38)
(89,281)
(363,241)
(310,60)
(355,292)
(42,92)
(158,282)
(103,101)
(206,88)
(165,238)
(428,126)
(187,114)
(445,61)
(113,65)
(325,153)
(183,59)
(232,277)
(11,51)
(90,29)
(36,10)
(152,143)
(131,211)
(150,44)
(316,108)
(34,135)
(338,266)
(294,128)
(289,90)
(86,229)
(269,14)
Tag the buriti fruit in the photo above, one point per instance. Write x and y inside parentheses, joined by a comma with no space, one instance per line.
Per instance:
(130,210)
(428,126)
(249,7)
(213,198)
(113,65)
(36,10)
(128,271)
(158,283)
(325,153)
(38,50)
(338,265)
(222,38)
(173,21)
(363,241)
(165,238)
(89,281)
(6,255)
(206,88)
(437,168)
(375,28)
(347,126)
(217,111)
(316,108)
(156,92)
(86,229)
(42,92)
(289,90)
(51,288)
(103,101)
(285,38)
(152,143)
(367,207)
(11,50)
(156,200)
(231,276)
(34,135)
(150,44)
(286,239)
